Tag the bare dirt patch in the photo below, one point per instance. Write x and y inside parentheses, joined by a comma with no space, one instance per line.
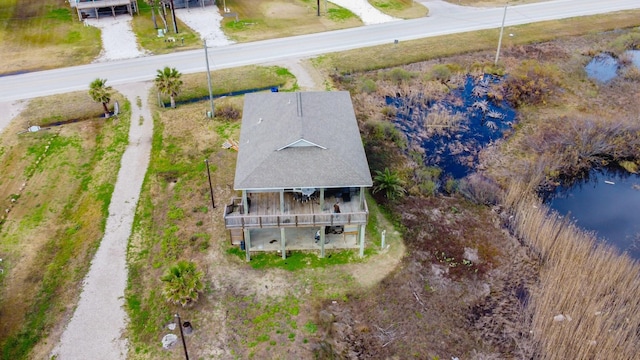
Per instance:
(279,10)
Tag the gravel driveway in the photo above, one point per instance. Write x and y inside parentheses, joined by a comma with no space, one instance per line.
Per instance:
(96,328)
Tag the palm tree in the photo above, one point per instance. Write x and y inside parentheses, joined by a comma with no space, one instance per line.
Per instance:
(182,283)
(168,83)
(100,92)
(389,182)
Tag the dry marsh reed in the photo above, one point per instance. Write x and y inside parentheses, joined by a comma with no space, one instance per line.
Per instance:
(587,302)
(440,119)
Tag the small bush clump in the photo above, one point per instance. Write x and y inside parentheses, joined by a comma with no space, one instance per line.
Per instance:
(531,83)
(399,75)
(228,112)
(368,86)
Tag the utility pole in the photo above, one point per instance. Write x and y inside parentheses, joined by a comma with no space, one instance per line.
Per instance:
(206,56)
(173,15)
(504,16)
(206,161)
(184,343)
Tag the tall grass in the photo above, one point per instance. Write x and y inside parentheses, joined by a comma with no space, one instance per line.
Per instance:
(596,289)
(407,52)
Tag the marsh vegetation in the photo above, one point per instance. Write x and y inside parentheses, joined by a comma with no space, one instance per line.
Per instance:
(560,292)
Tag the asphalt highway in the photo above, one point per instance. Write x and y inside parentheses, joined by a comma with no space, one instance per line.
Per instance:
(447,20)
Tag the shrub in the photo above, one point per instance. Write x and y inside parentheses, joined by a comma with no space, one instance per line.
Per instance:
(440,72)
(390,183)
(531,84)
(368,86)
(450,186)
(388,112)
(182,283)
(632,73)
(228,112)
(398,75)
(629,41)
(480,189)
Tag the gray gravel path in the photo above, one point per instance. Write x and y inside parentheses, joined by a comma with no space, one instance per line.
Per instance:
(9,110)
(96,328)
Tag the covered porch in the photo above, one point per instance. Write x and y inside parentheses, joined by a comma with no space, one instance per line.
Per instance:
(92,8)
(292,208)
(320,239)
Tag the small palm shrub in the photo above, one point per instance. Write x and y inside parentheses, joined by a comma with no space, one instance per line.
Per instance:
(390,183)
(182,283)
(101,93)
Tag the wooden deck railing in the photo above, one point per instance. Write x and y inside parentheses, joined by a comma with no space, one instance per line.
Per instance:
(238,220)
(98,3)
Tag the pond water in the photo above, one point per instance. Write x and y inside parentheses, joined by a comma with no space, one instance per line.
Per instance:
(635,57)
(454,147)
(606,202)
(604,66)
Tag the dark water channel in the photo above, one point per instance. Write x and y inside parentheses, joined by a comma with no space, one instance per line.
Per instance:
(455,148)
(606,202)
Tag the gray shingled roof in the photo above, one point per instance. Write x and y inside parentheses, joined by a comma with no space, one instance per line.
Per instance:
(302,139)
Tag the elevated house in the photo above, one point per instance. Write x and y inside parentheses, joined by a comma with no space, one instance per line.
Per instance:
(301,172)
(97,8)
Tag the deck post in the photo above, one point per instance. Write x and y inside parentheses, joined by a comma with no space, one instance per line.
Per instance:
(361,234)
(283,243)
(245,205)
(361,198)
(247,243)
(322,236)
(322,199)
(282,201)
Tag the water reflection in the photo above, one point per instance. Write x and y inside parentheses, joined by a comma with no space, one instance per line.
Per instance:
(475,119)
(606,202)
(603,67)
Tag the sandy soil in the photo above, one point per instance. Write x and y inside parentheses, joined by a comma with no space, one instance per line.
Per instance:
(118,40)
(206,22)
(364,11)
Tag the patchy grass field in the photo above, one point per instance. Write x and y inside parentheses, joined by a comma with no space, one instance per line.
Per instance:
(57,185)
(147,34)
(259,20)
(39,35)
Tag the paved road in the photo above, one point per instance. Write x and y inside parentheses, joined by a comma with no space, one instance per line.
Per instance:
(446,20)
